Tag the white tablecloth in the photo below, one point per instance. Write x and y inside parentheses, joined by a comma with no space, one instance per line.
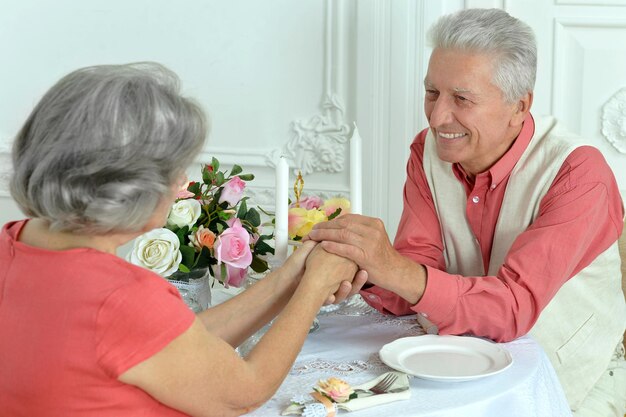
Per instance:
(347,346)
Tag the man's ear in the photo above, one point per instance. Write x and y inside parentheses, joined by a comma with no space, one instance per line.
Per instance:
(522,108)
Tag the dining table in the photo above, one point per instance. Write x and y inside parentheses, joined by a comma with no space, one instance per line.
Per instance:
(346,342)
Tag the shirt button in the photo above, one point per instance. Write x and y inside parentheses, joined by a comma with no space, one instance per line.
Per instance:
(493,186)
(475,199)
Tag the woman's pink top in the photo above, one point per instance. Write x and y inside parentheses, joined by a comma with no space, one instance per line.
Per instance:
(71,322)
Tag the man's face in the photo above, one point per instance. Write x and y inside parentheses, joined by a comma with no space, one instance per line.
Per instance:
(467,114)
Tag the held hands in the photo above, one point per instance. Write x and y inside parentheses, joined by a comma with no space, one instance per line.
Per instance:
(362,239)
(331,273)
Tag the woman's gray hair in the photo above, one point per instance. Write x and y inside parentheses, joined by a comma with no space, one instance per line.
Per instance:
(103,147)
(493,31)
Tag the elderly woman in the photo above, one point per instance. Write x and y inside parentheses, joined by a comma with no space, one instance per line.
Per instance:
(82,332)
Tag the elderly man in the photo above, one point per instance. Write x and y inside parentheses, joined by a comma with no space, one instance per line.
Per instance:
(510,224)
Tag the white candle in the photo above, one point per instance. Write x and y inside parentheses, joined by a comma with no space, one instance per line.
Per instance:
(282,207)
(356,173)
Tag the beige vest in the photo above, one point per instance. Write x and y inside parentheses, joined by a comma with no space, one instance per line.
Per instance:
(583,323)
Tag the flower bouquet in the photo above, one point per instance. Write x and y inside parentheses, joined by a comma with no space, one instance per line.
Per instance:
(209,228)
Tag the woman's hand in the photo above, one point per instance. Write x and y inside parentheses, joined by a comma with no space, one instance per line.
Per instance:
(329,271)
(293,268)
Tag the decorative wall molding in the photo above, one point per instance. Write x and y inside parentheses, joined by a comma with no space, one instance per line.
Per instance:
(247,158)
(614,120)
(318,144)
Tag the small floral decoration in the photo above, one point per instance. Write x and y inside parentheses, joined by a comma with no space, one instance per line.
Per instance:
(328,392)
(307,211)
(208,226)
(335,389)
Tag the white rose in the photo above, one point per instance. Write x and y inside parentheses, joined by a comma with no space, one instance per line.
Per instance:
(158,250)
(184,213)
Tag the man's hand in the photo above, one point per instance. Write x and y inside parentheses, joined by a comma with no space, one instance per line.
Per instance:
(364,240)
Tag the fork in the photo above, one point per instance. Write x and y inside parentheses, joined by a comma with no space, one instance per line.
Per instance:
(382,386)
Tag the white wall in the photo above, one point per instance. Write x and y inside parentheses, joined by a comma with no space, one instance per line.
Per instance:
(283,76)
(272,75)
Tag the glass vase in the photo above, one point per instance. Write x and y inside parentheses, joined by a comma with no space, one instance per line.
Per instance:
(194,287)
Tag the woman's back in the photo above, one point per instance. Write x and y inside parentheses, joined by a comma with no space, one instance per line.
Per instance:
(71,322)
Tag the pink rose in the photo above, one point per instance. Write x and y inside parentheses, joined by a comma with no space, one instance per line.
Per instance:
(233,246)
(232,191)
(309,202)
(235,276)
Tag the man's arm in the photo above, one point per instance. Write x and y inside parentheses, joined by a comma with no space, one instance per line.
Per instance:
(579,218)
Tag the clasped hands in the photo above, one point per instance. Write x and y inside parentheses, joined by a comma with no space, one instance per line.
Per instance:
(351,250)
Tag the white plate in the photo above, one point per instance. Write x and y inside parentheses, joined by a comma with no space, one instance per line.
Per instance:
(446,358)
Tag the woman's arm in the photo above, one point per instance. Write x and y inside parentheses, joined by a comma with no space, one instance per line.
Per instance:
(200,374)
(236,319)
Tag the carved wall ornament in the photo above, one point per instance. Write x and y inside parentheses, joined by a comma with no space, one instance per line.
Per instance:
(614,120)
(317,144)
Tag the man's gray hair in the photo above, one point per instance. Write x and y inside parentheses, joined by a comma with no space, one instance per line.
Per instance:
(103,147)
(495,32)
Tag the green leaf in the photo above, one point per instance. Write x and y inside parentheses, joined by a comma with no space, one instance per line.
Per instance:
(243,208)
(236,170)
(253,217)
(258,264)
(202,262)
(224,272)
(215,164)
(262,248)
(204,259)
(189,254)
(183,268)
(220,226)
(266,237)
(267,213)
(335,214)
(246,177)
(182,235)
(194,188)
(219,179)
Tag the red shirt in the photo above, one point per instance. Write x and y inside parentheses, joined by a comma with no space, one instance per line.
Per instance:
(71,322)
(579,218)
